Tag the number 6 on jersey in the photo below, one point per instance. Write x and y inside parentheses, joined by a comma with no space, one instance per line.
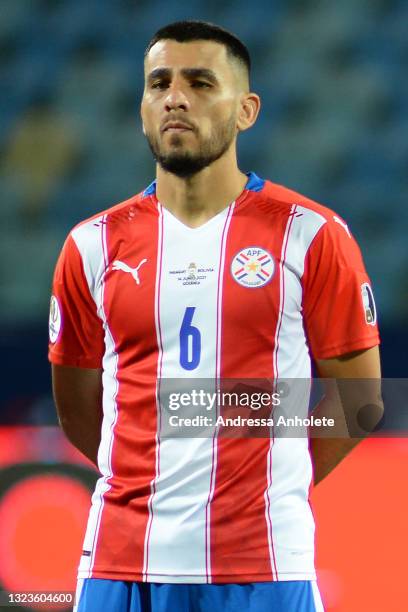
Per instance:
(190,341)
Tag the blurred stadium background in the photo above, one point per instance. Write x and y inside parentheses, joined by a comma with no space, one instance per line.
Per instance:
(333,125)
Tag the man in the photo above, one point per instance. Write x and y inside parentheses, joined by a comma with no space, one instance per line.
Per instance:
(212,274)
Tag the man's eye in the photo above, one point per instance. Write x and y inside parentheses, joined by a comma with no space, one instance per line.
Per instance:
(159,85)
(200,84)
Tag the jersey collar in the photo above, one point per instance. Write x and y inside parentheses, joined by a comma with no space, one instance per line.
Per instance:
(254,183)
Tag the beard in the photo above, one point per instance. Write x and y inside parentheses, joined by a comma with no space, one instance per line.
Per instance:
(185,164)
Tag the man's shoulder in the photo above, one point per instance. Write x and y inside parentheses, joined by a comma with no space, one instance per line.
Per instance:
(89,235)
(286,198)
(120,210)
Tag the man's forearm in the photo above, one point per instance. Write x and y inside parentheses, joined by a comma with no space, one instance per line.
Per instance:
(355,406)
(85,436)
(78,399)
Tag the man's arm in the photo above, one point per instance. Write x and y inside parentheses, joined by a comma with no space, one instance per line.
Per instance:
(345,401)
(78,398)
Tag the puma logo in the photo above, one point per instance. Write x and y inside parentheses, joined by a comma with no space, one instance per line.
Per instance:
(344,225)
(119,265)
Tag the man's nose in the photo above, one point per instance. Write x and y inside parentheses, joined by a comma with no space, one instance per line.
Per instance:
(176,97)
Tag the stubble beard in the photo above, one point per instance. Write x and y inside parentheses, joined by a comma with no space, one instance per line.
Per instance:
(185,164)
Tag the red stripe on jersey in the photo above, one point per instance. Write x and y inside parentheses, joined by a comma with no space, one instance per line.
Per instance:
(131,238)
(248,337)
(208,523)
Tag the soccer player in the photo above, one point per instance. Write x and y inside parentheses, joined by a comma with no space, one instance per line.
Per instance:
(209,273)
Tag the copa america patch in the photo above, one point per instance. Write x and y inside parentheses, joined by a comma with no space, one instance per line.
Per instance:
(370,312)
(252,267)
(54,322)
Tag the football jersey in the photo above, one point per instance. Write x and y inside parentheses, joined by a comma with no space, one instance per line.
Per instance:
(262,287)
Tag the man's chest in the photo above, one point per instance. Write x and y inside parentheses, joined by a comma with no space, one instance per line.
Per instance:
(188,290)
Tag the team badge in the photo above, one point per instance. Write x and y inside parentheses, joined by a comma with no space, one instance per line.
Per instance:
(54,323)
(252,267)
(368,304)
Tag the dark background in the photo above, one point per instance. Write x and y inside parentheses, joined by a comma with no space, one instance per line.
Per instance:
(334,125)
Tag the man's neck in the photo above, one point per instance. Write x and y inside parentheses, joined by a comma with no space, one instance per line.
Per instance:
(195,200)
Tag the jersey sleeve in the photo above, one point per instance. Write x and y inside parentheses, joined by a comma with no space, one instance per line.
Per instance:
(338,304)
(76,336)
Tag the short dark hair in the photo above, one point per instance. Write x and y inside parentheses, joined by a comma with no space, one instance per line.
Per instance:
(186,31)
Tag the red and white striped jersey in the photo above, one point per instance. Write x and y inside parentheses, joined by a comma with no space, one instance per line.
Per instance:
(264,285)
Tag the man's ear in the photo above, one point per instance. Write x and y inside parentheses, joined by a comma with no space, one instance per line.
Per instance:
(250,105)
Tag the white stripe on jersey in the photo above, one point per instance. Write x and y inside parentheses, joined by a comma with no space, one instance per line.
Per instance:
(95,264)
(291,454)
(276,374)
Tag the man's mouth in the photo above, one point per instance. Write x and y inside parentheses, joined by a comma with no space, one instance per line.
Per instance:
(176,126)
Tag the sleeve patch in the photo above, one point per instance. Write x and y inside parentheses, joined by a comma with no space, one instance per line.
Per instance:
(370,311)
(55,319)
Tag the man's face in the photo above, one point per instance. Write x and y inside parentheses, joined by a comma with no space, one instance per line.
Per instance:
(190,104)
